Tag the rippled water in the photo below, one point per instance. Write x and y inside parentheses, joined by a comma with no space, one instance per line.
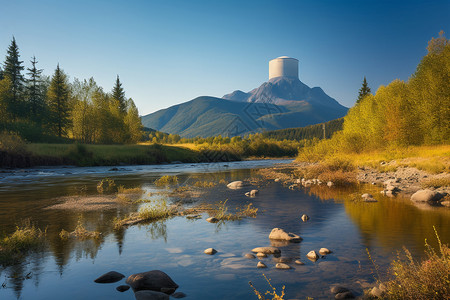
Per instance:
(348,228)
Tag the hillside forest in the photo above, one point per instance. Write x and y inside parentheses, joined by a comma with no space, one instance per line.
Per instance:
(41,108)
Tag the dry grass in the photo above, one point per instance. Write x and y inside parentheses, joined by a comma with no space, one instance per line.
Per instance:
(106,186)
(80,232)
(156,210)
(436,182)
(272,292)
(123,190)
(204,184)
(26,238)
(220,211)
(166,180)
(338,170)
(420,280)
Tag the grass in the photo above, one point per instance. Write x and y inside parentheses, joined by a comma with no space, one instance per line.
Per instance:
(80,232)
(434,159)
(220,211)
(156,210)
(436,182)
(425,279)
(166,180)
(340,171)
(106,186)
(272,292)
(26,238)
(204,184)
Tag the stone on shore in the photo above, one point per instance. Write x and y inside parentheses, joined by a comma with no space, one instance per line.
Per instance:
(425,196)
(210,251)
(280,234)
(155,280)
(266,250)
(312,255)
(110,277)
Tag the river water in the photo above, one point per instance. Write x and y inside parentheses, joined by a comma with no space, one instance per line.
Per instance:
(66,269)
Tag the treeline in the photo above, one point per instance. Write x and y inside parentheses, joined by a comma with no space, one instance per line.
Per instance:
(306,133)
(416,112)
(42,108)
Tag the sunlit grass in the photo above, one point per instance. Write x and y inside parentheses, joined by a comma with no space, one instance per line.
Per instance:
(166,180)
(26,238)
(80,232)
(221,211)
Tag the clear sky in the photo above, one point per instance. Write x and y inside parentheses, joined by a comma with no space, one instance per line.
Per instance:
(168,52)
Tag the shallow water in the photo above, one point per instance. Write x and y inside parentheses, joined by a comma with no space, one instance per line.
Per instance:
(348,228)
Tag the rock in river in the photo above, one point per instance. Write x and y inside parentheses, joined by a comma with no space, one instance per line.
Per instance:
(249,256)
(282,266)
(110,277)
(210,251)
(267,250)
(261,265)
(324,251)
(312,255)
(155,280)
(212,220)
(236,185)
(280,234)
(425,196)
(252,193)
(150,295)
(305,218)
(123,288)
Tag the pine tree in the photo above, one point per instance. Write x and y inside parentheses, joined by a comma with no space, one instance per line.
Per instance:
(363,91)
(1,73)
(13,70)
(34,91)
(58,103)
(119,95)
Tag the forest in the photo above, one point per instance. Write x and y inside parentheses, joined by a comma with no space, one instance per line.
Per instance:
(41,108)
(402,114)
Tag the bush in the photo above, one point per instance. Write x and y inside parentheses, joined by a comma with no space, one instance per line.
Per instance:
(12,143)
(166,180)
(106,186)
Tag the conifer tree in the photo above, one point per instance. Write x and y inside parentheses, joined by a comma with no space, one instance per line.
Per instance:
(119,95)
(34,91)
(13,70)
(363,91)
(58,103)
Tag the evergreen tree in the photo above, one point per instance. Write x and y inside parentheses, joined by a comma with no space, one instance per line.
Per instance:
(363,91)
(58,103)
(34,91)
(1,73)
(13,70)
(119,95)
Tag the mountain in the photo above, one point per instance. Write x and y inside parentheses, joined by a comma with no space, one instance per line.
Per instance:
(282,102)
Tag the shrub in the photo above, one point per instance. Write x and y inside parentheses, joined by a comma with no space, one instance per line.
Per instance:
(166,180)
(11,142)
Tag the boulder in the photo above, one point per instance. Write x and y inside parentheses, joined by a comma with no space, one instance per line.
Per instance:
(305,218)
(110,277)
(212,220)
(210,251)
(155,280)
(324,251)
(150,295)
(312,255)
(425,196)
(123,288)
(236,185)
(282,266)
(249,256)
(280,234)
(266,250)
(261,265)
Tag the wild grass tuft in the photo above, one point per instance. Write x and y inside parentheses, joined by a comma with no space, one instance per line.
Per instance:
(436,182)
(220,211)
(167,180)
(272,292)
(106,186)
(80,232)
(204,184)
(26,238)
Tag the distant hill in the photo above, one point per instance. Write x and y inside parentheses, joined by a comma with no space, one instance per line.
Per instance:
(308,132)
(277,104)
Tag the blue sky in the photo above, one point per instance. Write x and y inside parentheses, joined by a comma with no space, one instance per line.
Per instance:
(168,52)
